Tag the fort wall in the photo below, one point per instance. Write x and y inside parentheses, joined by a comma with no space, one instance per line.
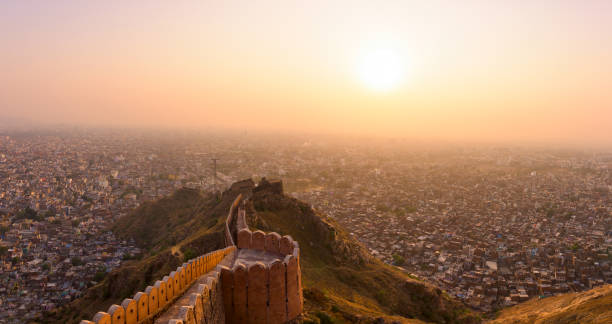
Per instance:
(263,292)
(145,306)
(231,221)
(256,278)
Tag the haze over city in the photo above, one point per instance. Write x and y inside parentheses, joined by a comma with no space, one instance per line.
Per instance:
(537,72)
(305,162)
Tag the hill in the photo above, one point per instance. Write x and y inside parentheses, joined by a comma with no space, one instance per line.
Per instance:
(170,231)
(343,282)
(593,306)
(155,226)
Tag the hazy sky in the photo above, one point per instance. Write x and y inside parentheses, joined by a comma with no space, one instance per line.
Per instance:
(474,70)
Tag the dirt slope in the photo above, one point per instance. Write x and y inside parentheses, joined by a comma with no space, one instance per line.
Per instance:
(593,306)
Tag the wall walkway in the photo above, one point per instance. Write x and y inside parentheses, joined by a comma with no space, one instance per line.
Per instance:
(254,280)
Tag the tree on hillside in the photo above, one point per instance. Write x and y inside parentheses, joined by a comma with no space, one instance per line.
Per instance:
(28,213)
(398,260)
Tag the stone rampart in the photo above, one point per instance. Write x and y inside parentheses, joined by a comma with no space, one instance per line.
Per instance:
(268,291)
(145,306)
(255,279)
(231,219)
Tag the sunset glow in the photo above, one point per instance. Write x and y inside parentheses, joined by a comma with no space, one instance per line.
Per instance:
(345,161)
(482,70)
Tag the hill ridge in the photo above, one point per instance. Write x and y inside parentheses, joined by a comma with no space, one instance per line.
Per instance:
(342,282)
(591,306)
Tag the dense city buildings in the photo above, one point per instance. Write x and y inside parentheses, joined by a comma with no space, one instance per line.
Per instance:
(493,226)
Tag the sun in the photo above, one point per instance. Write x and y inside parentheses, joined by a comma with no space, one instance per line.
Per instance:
(380,69)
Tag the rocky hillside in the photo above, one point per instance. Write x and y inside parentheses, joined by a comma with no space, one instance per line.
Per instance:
(593,306)
(343,282)
(170,231)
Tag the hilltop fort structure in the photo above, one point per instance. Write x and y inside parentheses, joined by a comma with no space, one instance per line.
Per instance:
(255,279)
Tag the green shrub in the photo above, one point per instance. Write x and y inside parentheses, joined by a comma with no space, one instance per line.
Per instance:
(76,261)
(325,319)
(398,260)
(99,276)
(189,254)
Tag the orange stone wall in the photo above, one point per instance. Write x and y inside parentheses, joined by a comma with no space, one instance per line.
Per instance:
(145,306)
(264,293)
(260,293)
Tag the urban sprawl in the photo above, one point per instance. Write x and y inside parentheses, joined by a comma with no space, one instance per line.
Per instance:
(493,226)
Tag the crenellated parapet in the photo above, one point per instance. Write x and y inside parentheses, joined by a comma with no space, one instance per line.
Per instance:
(264,285)
(145,306)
